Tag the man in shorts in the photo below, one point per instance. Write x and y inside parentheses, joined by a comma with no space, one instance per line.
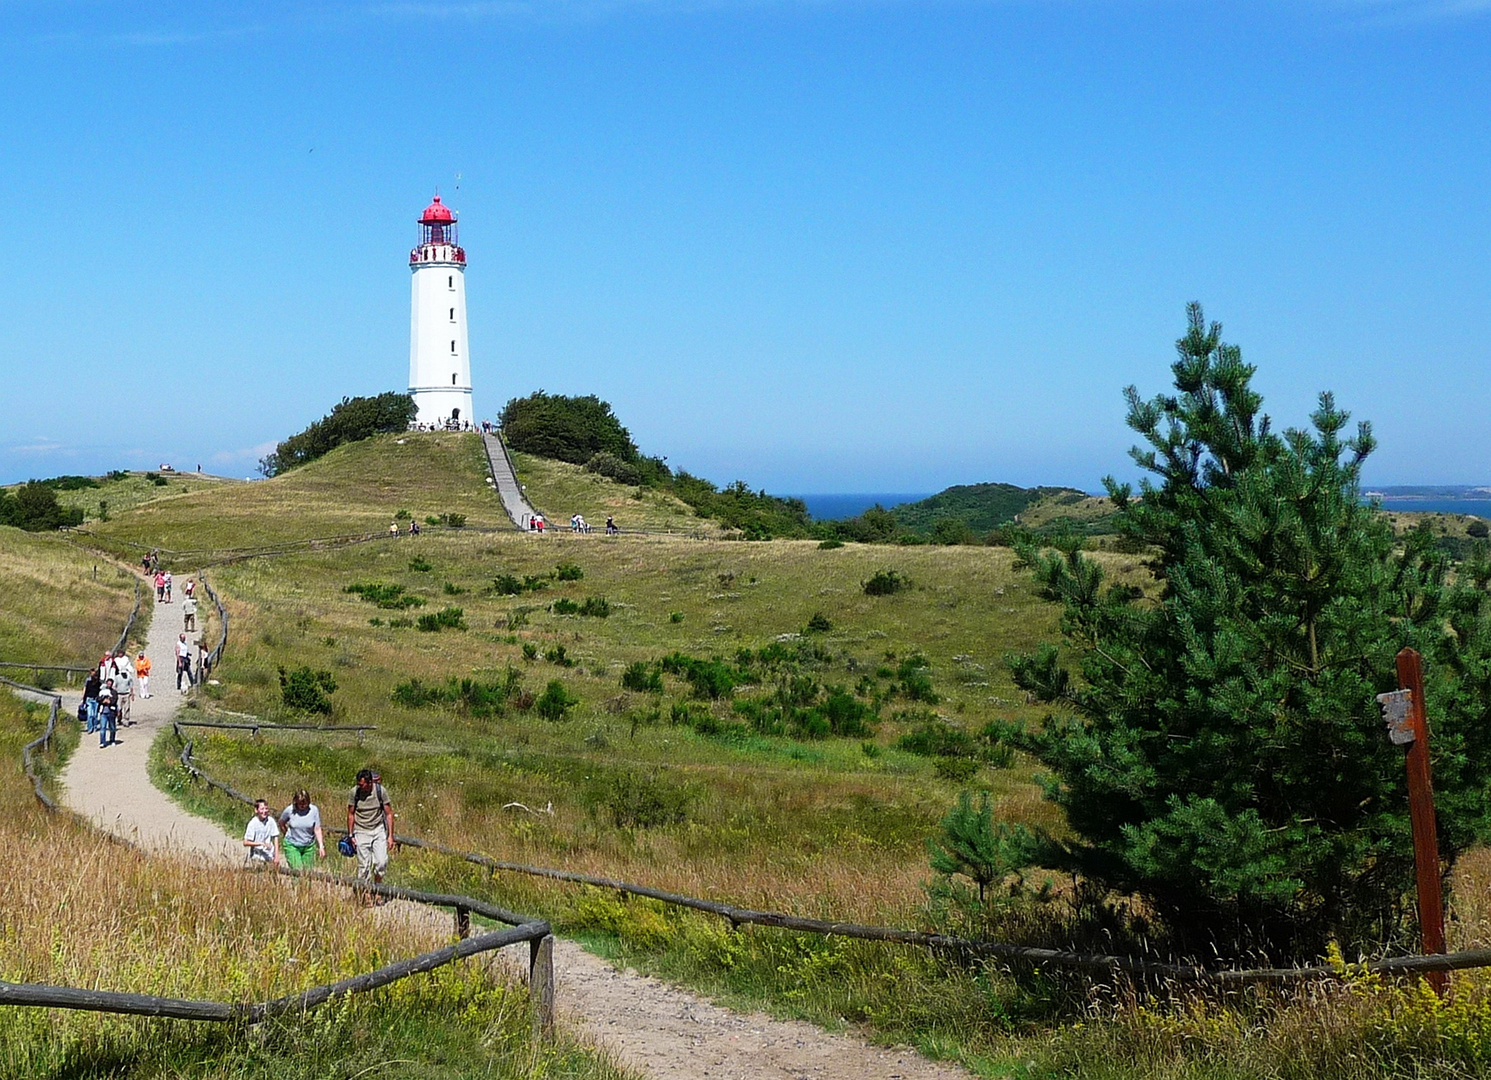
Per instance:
(370,824)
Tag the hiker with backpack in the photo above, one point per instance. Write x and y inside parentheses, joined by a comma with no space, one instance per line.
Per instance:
(370,824)
(89,713)
(108,714)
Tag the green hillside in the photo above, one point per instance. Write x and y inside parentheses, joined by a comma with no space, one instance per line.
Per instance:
(981,507)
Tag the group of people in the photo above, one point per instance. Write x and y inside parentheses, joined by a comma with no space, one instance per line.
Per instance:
(447,425)
(296,838)
(108,691)
(393,528)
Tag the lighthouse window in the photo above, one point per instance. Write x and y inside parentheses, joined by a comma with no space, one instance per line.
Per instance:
(452,380)
(452,314)
(452,346)
(450,282)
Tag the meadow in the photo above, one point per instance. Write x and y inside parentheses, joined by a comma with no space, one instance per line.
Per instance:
(62,603)
(686,748)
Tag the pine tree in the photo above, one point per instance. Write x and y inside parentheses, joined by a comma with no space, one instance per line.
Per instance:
(1218,749)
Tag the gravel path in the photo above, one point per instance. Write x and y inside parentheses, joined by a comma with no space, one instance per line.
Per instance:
(656,1029)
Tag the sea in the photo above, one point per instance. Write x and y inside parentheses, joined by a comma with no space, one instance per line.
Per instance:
(1430,505)
(838,506)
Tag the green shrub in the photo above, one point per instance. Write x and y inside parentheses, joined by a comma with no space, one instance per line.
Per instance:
(973,845)
(958,770)
(1478,529)
(642,677)
(454,520)
(564,606)
(675,616)
(637,800)
(612,467)
(420,565)
(351,420)
(596,607)
(400,624)
(568,571)
(507,585)
(558,655)
(708,678)
(818,624)
(885,583)
(34,507)
(451,618)
(471,696)
(555,702)
(388,597)
(914,681)
(306,689)
(830,544)
(452,589)
(530,651)
(573,429)
(402,515)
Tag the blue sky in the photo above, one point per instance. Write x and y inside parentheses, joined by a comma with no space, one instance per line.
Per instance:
(820,245)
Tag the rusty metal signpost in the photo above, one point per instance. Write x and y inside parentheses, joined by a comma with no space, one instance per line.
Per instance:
(1403,709)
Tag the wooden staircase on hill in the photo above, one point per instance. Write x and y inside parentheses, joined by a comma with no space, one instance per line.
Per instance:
(506,481)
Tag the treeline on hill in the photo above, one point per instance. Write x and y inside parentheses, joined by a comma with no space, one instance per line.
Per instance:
(33,506)
(584,431)
(353,419)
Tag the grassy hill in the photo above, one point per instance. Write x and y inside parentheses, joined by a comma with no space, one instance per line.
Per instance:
(59,604)
(981,507)
(559,489)
(356,488)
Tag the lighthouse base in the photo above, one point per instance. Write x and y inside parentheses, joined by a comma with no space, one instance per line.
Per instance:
(441,407)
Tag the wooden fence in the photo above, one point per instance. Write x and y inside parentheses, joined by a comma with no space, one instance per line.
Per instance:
(1024,955)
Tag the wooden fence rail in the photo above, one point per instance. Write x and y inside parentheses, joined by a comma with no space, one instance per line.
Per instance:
(1024,955)
(536,932)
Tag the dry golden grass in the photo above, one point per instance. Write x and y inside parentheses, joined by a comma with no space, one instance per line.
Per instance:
(55,610)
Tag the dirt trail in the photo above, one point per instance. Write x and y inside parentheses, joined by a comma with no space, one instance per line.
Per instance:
(654,1028)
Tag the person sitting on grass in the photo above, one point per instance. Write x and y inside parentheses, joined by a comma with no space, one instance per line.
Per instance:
(262,837)
(301,821)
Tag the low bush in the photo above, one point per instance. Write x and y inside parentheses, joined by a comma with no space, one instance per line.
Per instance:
(420,565)
(306,689)
(556,701)
(452,589)
(564,606)
(642,677)
(818,624)
(568,571)
(708,678)
(451,618)
(558,656)
(885,583)
(639,800)
(830,544)
(472,696)
(613,468)
(596,607)
(351,420)
(388,597)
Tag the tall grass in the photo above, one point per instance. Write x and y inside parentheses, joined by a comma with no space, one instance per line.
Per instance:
(62,605)
(83,910)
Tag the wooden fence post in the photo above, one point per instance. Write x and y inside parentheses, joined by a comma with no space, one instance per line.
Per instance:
(541,986)
(1421,812)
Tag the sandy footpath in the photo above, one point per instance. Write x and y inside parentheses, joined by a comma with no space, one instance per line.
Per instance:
(654,1028)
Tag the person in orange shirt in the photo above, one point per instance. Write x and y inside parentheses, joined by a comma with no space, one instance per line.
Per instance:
(142,672)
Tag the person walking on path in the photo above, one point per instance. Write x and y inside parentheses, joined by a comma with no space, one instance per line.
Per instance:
(142,672)
(190,588)
(183,661)
(160,586)
(189,613)
(262,837)
(108,714)
(301,821)
(370,824)
(90,702)
(124,686)
(168,586)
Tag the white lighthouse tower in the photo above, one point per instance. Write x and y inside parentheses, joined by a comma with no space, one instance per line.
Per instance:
(439,365)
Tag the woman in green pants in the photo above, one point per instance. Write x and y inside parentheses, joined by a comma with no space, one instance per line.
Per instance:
(302,824)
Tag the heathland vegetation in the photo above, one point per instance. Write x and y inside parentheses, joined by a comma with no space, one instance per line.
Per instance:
(882,733)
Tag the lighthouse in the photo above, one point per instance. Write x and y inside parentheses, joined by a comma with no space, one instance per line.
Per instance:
(439,365)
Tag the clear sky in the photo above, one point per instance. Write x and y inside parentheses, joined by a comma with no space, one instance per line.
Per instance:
(819,245)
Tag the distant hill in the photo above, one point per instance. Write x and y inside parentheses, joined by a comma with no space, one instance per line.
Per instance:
(982,507)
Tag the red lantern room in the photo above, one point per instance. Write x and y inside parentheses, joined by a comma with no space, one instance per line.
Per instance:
(437,236)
